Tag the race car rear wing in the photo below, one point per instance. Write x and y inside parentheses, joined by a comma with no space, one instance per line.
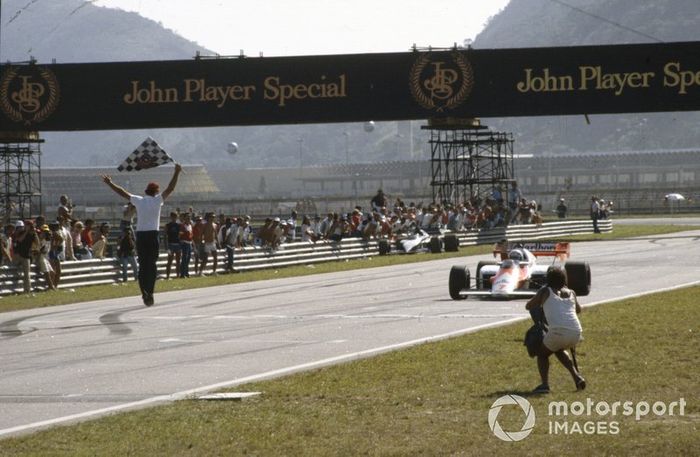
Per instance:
(562,250)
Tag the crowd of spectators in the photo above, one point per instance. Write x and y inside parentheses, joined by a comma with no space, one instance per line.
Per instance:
(193,238)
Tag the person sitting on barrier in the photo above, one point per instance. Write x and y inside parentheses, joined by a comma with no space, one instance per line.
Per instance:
(339,229)
(281,234)
(324,227)
(262,233)
(385,226)
(100,248)
(560,308)
(370,226)
(87,236)
(79,250)
(307,233)
(244,232)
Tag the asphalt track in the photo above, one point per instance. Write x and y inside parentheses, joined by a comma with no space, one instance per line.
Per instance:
(80,361)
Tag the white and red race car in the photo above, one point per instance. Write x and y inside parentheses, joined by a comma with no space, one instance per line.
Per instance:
(518,274)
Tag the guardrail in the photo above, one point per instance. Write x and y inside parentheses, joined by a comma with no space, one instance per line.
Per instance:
(108,271)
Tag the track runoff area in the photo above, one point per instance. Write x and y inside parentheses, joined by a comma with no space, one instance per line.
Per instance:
(83,361)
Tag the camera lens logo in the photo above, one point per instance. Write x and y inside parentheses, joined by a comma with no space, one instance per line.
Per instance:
(529,418)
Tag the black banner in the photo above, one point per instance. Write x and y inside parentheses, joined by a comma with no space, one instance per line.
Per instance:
(346,88)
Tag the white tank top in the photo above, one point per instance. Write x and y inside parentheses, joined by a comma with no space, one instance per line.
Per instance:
(561,312)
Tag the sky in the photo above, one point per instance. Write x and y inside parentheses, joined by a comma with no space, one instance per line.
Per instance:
(316,27)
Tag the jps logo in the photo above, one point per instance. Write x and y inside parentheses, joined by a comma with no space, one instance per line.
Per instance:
(28,94)
(441,84)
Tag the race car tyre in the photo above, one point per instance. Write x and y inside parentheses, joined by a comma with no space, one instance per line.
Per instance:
(451,243)
(579,277)
(483,263)
(435,245)
(459,281)
(384,247)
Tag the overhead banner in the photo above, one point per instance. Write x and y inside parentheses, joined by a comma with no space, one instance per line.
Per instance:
(457,83)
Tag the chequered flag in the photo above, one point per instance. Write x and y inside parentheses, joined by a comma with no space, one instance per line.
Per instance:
(148,155)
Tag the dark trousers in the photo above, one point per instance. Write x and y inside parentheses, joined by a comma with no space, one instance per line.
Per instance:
(229,258)
(185,260)
(147,249)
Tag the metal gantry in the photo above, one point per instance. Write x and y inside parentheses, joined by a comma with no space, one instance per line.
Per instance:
(20,176)
(469,161)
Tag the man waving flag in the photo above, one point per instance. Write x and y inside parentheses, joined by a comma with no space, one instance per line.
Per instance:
(148,155)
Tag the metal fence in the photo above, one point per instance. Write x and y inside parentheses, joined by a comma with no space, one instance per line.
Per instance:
(108,271)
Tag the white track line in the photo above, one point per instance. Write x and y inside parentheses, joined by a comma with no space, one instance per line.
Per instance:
(293,369)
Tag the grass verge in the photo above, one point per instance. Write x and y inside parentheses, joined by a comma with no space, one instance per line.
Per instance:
(83,294)
(433,399)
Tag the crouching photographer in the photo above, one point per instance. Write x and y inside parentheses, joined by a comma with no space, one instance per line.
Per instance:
(554,309)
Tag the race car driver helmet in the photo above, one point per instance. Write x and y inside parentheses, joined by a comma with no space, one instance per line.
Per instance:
(516,254)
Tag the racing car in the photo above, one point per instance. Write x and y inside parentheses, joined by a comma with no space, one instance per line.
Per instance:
(518,274)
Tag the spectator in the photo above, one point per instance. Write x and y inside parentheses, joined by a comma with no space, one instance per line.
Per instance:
(292,226)
(307,232)
(379,201)
(57,254)
(101,249)
(324,226)
(338,228)
(185,237)
(172,236)
(229,241)
(209,231)
(42,260)
(369,226)
(25,242)
(562,209)
(87,237)
(197,244)
(595,213)
(514,198)
(244,232)
(128,213)
(79,250)
(126,253)
(6,244)
(65,208)
(65,226)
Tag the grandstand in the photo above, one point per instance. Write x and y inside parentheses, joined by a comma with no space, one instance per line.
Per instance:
(84,186)
(634,180)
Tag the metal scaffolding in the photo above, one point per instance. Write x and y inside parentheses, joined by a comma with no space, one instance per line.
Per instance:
(20,176)
(469,161)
